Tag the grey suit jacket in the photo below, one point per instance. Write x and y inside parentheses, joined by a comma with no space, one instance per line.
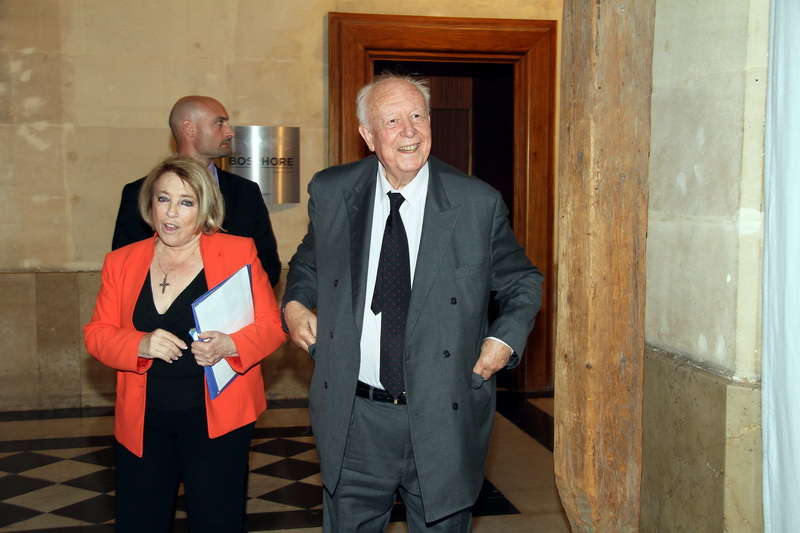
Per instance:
(467,250)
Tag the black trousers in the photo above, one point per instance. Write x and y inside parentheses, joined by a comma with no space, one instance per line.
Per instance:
(177,449)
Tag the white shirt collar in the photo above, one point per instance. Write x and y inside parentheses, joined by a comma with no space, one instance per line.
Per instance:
(414,193)
(213,169)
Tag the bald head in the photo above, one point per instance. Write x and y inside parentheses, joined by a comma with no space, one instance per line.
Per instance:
(200,127)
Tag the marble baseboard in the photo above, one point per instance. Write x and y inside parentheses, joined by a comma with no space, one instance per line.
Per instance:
(43,362)
(701,450)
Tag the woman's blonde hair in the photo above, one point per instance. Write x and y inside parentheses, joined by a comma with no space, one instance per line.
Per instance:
(210,205)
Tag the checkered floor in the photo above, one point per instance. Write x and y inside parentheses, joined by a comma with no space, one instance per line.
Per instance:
(66,484)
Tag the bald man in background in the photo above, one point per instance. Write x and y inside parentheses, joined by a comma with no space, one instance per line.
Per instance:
(200,126)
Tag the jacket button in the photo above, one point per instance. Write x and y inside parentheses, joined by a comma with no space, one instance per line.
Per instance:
(330,334)
(325,385)
(455,407)
(453,300)
(336,283)
(446,354)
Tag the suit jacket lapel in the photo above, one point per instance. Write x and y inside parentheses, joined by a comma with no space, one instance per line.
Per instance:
(437,227)
(359,202)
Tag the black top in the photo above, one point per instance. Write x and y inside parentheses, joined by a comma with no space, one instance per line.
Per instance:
(176,385)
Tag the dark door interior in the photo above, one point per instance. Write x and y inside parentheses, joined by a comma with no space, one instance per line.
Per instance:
(472,117)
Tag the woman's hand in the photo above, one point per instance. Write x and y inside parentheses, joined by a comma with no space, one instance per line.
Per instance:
(161,344)
(212,347)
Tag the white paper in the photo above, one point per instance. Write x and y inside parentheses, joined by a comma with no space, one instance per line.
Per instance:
(227,308)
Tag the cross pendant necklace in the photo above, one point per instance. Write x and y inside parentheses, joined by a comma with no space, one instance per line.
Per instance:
(164,283)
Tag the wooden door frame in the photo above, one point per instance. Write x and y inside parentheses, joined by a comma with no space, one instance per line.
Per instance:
(356,41)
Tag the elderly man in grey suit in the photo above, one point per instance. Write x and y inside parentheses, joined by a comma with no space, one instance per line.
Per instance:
(400,260)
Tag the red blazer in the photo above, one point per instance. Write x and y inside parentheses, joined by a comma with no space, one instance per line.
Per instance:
(111,338)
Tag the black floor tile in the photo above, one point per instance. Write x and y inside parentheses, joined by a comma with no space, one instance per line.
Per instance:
(11,514)
(289,469)
(56,443)
(282,447)
(491,502)
(14,485)
(298,494)
(23,461)
(493,507)
(50,414)
(94,510)
(101,457)
(529,418)
(101,481)
(284,520)
(96,528)
(277,432)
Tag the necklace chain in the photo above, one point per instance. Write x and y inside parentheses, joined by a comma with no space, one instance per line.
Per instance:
(164,283)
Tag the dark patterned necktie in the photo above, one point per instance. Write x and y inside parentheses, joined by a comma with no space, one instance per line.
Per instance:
(392,293)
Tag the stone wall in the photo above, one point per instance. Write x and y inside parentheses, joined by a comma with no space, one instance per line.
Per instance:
(702,413)
(701,452)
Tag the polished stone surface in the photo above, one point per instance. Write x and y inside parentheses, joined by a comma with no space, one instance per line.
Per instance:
(701,451)
(56,473)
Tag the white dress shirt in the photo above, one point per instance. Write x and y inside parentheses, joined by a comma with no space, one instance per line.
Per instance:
(412,211)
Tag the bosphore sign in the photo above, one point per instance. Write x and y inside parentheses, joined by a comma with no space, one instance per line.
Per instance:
(270,156)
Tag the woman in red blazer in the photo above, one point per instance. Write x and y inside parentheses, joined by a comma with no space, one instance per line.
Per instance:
(167,427)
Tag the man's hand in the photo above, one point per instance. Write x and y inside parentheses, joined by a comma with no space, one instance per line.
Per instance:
(302,324)
(494,356)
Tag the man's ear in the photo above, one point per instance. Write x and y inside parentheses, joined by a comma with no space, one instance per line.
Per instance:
(366,134)
(188,127)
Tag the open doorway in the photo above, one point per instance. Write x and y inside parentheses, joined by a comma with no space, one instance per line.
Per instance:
(510,68)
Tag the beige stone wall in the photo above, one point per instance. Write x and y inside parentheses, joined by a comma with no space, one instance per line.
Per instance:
(88,86)
(701,450)
(702,417)
(44,364)
(705,217)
